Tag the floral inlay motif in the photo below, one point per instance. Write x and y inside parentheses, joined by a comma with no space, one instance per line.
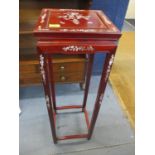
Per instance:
(39,27)
(77,30)
(42,67)
(43,18)
(47,101)
(109,67)
(101,98)
(73,48)
(74,17)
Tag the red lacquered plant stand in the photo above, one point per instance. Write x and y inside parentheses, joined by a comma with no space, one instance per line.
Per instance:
(68,31)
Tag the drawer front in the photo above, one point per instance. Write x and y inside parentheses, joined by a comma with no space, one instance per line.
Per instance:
(35,78)
(29,68)
(69,67)
(57,67)
(69,77)
(64,72)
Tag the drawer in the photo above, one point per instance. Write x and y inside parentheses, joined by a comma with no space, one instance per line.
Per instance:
(66,70)
(74,77)
(57,67)
(69,67)
(29,68)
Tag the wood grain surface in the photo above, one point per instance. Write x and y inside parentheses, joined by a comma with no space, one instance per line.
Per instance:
(67,69)
(122,76)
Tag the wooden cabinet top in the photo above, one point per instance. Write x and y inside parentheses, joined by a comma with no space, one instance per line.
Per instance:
(75,24)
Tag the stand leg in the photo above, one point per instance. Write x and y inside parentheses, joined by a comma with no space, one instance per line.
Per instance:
(45,78)
(52,86)
(88,77)
(103,82)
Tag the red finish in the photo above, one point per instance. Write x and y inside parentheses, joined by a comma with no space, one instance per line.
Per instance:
(88,77)
(101,90)
(89,47)
(50,66)
(86,117)
(46,83)
(54,115)
(69,107)
(74,32)
(73,137)
(85,24)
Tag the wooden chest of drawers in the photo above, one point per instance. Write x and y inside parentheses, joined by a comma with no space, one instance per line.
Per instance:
(67,69)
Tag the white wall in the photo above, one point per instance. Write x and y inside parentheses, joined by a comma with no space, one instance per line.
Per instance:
(131,10)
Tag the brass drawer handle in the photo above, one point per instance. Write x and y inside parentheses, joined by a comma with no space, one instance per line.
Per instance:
(63,78)
(62,68)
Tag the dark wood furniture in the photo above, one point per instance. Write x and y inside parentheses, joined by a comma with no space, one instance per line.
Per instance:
(67,69)
(74,32)
(29,11)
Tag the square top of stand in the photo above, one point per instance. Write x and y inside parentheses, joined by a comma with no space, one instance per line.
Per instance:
(75,24)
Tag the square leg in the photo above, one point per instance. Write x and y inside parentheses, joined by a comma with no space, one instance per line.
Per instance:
(48,83)
(103,82)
